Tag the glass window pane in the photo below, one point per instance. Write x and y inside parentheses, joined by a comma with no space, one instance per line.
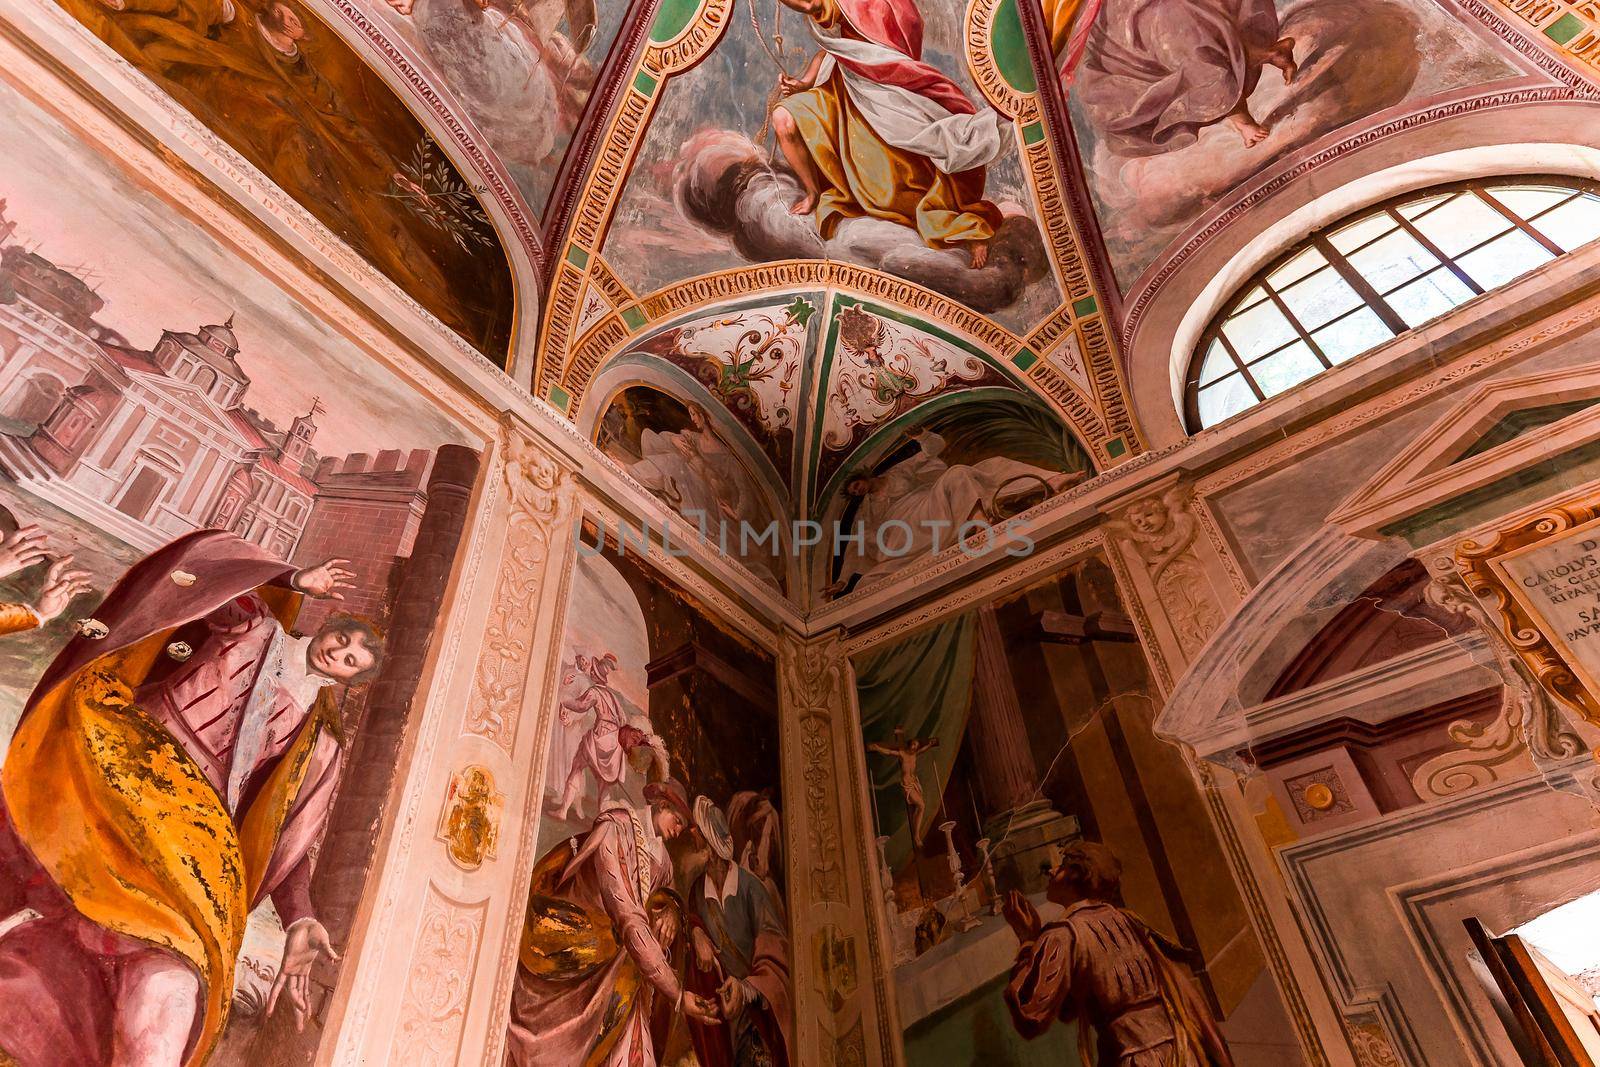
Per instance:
(1217,363)
(1503,259)
(1526,201)
(1224,400)
(1573,224)
(1352,335)
(1393,260)
(1360,233)
(1417,208)
(1296,268)
(1258,331)
(1464,223)
(1429,297)
(1286,369)
(1319,298)
(1249,300)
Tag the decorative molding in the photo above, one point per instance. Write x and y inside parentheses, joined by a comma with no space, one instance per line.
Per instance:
(1509,618)
(1061,197)
(1578,21)
(569,365)
(485,162)
(813,675)
(1160,531)
(433,1012)
(580,150)
(533,481)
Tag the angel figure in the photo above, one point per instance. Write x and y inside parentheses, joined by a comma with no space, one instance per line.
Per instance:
(1161,530)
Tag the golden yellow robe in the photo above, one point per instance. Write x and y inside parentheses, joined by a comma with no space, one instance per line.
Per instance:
(127,825)
(16,618)
(1059,16)
(863,176)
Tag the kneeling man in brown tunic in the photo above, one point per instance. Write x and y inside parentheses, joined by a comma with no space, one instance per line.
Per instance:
(1103,967)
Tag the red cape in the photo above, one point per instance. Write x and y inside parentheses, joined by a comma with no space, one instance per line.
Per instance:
(897,24)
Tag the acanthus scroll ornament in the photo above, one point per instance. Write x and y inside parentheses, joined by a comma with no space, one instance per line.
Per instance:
(813,676)
(1528,720)
(533,482)
(1162,530)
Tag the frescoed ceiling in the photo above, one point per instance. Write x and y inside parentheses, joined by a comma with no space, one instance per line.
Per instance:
(1086,187)
(799,225)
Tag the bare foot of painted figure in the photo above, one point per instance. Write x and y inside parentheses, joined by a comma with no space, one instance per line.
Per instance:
(1251,131)
(979,251)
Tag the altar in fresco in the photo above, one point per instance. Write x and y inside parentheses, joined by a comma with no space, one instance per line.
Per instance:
(208,595)
(656,931)
(1051,881)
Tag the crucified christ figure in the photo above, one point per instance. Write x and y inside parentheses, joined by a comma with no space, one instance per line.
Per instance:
(907,751)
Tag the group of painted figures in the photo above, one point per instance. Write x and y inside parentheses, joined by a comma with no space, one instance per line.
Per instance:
(176,766)
(625,938)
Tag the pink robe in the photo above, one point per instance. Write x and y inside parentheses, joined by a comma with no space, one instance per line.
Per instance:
(62,964)
(601,749)
(554,1024)
(1156,72)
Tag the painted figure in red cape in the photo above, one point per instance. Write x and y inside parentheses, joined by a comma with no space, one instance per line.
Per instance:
(174,767)
(872,129)
(602,925)
(604,748)
(1104,968)
(739,956)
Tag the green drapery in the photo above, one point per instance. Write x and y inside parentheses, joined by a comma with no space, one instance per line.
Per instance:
(924,685)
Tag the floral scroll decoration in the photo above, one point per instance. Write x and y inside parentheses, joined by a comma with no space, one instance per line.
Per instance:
(884,368)
(1544,658)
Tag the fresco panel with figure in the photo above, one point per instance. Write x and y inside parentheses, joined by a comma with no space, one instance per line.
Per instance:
(656,929)
(206,564)
(868,144)
(1179,104)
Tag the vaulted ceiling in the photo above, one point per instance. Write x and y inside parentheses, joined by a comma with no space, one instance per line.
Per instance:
(665,218)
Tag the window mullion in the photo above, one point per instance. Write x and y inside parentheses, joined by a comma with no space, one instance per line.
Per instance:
(1363,288)
(1294,320)
(1250,379)
(1438,253)
(1519,222)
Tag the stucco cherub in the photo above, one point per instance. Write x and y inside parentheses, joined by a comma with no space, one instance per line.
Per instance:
(1160,528)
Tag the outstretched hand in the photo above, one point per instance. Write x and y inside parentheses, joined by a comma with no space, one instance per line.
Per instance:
(60,587)
(1022,916)
(305,943)
(701,1010)
(325,581)
(21,549)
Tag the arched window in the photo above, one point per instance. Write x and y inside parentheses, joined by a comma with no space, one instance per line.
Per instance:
(1351,286)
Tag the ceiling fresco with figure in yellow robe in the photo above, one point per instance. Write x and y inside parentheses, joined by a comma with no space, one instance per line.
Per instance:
(803,227)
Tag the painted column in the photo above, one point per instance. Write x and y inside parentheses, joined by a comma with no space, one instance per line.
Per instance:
(1026,830)
(839,951)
